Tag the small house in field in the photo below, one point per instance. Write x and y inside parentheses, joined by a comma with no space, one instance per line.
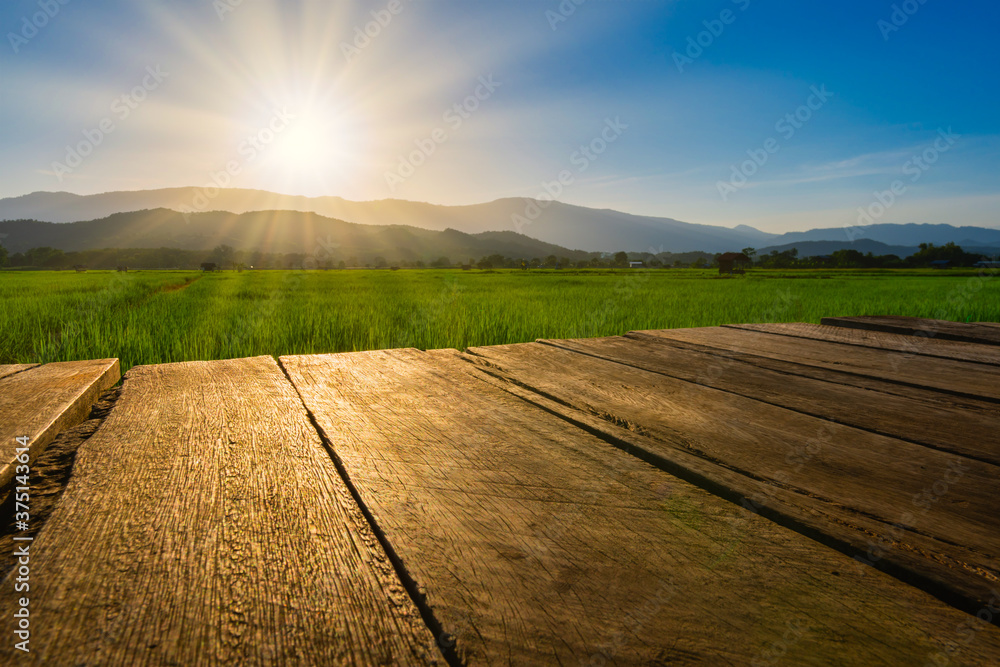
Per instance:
(79,268)
(734,262)
(635,265)
(208,266)
(940,263)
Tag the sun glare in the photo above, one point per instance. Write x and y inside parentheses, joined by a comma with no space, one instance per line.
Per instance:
(307,143)
(315,152)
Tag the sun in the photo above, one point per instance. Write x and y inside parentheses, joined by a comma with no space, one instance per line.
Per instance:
(308,143)
(316,153)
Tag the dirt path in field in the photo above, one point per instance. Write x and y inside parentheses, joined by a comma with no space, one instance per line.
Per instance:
(177,288)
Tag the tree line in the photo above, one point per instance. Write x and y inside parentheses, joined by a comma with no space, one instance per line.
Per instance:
(854,259)
(226,257)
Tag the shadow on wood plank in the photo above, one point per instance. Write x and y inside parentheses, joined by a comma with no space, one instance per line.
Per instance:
(42,401)
(850,487)
(538,542)
(917,326)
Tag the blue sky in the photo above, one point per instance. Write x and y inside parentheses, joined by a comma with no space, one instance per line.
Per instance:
(286,96)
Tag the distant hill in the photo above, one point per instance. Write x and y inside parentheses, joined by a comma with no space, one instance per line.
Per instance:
(910,234)
(565,225)
(273,232)
(557,223)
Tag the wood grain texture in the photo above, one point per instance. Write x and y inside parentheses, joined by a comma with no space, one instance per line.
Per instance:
(50,473)
(789,367)
(961,378)
(928,418)
(205,523)
(43,400)
(851,485)
(11,369)
(931,347)
(537,542)
(916,326)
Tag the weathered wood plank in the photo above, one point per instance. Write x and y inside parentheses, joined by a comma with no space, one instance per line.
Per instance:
(931,347)
(915,418)
(539,543)
(43,400)
(205,523)
(851,485)
(11,369)
(917,326)
(961,378)
(791,368)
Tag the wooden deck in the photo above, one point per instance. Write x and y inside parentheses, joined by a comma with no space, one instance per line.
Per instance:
(749,494)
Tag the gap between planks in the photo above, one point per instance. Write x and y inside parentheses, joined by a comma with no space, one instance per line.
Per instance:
(445,641)
(879,340)
(716,463)
(40,401)
(918,326)
(429,448)
(205,523)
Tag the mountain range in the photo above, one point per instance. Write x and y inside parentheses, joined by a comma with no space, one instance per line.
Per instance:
(272,232)
(555,223)
(550,222)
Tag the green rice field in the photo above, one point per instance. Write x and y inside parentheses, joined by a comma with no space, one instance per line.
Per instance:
(162,316)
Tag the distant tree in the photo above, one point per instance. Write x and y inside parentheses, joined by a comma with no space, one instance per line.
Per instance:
(3,256)
(223,254)
(949,251)
(621,259)
(847,258)
(380,263)
(44,257)
(700,263)
(750,252)
(55,259)
(786,259)
(441,263)
(342,265)
(551,261)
